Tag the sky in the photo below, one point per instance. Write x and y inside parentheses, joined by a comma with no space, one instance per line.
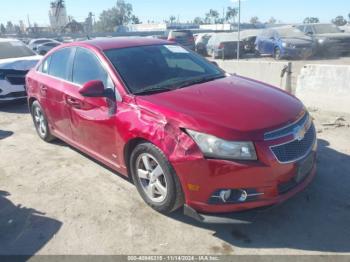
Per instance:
(290,11)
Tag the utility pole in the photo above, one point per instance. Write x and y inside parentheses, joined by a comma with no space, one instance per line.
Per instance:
(239,29)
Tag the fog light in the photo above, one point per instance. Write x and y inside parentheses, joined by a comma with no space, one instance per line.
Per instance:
(244,196)
(225,195)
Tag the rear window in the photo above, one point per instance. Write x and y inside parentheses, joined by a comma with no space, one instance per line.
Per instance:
(14,49)
(181,34)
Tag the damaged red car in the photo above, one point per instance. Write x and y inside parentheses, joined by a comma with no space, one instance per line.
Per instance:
(186,133)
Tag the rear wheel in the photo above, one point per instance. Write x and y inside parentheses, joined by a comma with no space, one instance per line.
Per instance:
(40,122)
(278,53)
(155,178)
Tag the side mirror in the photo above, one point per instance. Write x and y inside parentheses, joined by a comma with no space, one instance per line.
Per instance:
(94,88)
(343,31)
(309,33)
(214,63)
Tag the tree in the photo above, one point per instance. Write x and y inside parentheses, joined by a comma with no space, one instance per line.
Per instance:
(172,19)
(254,20)
(339,21)
(2,29)
(311,20)
(118,15)
(9,27)
(198,21)
(231,14)
(212,16)
(272,21)
(135,20)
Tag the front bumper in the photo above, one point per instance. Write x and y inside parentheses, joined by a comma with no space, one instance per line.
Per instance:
(10,92)
(273,181)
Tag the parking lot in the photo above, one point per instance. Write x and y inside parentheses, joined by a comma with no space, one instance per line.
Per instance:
(55,200)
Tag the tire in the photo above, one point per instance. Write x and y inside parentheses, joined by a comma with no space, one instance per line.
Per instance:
(40,122)
(277,53)
(152,187)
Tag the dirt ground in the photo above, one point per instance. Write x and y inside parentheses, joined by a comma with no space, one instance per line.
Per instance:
(55,200)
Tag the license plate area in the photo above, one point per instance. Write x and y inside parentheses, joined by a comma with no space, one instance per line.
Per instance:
(304,167)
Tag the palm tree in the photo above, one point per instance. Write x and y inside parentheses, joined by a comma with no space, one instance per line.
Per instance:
(213,15)
(231,14)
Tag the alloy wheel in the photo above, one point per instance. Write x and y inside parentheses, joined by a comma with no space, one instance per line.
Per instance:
(152,178)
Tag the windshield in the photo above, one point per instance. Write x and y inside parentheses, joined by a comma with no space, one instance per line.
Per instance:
(326,29)
(290,32)
(161,67)
(14,49)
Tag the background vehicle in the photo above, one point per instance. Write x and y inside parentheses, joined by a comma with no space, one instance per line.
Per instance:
(163,127)
(330,39)
(248,38)
(223,45)
(34,43)
(285,42)
(15,61)
(46,47)
(201,43)
(182,37)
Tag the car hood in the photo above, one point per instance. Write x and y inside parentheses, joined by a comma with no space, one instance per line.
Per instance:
(232,107)
(19,63)
(335,36)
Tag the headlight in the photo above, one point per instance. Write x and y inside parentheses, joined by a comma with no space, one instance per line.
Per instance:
(321,41)
(284,44)
(212,146)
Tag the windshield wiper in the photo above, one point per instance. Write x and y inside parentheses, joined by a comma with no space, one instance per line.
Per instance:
(149,91)
(199,80)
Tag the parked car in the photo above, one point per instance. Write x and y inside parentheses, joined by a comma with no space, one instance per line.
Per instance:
(285,42)
(223,45)
(201,43)
(183,130)
(330,39)
(15,61)
(182,37)
(46,47)
(248,38)
(34,43)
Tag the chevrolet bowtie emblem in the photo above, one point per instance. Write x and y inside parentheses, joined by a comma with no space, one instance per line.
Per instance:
(299,132)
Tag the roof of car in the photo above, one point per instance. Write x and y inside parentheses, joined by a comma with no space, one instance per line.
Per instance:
(123,42)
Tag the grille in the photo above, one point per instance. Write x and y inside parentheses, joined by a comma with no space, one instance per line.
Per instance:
(295,150)
(288,130)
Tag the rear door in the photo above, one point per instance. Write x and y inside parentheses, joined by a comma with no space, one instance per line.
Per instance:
(52,87)
(92,119)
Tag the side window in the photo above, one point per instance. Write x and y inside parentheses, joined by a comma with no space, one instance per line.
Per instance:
(87,67)
(45,65)
(308,30)
(59,64)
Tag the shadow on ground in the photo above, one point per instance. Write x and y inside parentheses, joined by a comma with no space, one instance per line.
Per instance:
(15,107)
(5,134)
(314,220)
(23,231)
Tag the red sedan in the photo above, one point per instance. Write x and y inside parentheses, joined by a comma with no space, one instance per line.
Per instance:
(186,132)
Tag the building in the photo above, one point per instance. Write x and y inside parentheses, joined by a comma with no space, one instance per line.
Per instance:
(58,15)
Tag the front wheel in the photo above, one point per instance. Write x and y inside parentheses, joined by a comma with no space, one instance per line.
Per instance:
(40,122)
(155,178)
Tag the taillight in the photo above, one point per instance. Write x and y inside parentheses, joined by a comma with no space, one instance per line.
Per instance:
(191,39)
(221,46)
(171,39)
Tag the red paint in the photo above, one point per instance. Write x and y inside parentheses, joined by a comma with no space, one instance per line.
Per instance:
(233,108)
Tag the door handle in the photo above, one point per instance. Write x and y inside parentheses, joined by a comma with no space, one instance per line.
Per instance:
(73,102)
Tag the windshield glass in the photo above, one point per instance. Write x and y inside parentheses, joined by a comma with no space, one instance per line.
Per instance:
(160,67)
(326,29)
(289,32)
(14,49)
